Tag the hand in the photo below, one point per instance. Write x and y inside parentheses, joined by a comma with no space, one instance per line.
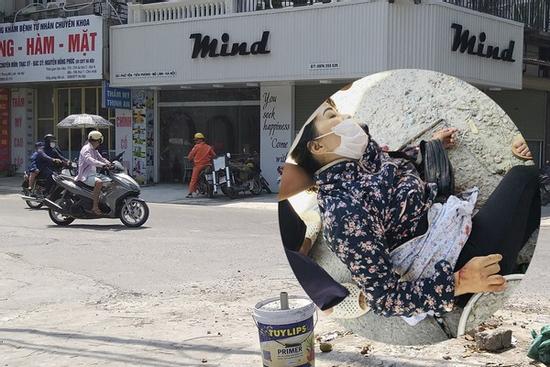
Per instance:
(447,136)
(480,275)
(57,161)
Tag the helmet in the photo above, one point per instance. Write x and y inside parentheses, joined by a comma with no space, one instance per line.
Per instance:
(48,138)
(199,136)
(95,135)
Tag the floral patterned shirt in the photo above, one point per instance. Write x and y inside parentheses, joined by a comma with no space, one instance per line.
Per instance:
(370,207)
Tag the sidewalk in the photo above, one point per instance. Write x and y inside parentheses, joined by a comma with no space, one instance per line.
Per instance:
(172,194)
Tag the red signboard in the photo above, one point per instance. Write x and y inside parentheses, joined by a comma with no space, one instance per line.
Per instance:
(4,130)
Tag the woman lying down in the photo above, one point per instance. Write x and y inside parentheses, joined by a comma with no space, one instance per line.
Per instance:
(408,255)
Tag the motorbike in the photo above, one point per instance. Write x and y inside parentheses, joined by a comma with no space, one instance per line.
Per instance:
(236,175)
(545,185)
(36,195)
(119,198)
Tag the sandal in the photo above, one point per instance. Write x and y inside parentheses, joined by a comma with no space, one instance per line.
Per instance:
(517,142)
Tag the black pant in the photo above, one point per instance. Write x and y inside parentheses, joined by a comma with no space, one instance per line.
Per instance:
(506,221)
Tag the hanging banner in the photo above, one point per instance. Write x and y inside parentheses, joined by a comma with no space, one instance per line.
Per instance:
(21,127)
(276,116)
(4,130)
(52,50)
(123,133)
(142,132)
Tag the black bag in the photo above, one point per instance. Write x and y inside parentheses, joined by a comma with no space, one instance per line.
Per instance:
(437,168)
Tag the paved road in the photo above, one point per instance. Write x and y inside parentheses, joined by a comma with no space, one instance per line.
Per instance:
(177,292)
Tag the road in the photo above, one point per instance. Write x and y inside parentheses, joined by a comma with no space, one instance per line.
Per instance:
(177,292)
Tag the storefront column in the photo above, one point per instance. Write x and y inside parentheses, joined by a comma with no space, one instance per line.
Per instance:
(276,131)
(22,117)
(4,130)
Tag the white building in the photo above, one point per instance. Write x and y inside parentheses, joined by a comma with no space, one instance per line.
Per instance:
(248,76)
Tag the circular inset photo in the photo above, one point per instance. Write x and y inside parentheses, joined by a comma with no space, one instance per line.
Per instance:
(409,207)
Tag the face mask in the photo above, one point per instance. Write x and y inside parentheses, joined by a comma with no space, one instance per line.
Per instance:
(52,145)
(353,139)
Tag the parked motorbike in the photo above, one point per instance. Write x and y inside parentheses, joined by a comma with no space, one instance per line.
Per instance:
(235,175)
(36,195)
(119,198)
(545,185)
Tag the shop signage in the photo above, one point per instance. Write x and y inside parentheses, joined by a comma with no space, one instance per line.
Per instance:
(115,97)
(204,46)
(123,134)
(276,130)
(51,50)
(473,45)
(4,130)
(324,66)
(21,113)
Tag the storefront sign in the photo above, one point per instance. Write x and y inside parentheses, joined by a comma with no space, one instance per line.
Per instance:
(22,143)
(463,42)
(324,66)
(123,133)
(142,136)
(51,50)
(276,112)
(4,130)
(115,97)
(204,46)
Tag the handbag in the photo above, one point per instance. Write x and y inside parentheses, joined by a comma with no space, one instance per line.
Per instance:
(437,168)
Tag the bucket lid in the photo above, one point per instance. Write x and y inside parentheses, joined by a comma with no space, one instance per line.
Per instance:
(269,312)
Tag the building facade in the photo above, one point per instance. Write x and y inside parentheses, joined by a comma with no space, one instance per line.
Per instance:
(248,73)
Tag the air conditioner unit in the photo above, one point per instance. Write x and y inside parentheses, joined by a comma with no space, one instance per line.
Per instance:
(54,4)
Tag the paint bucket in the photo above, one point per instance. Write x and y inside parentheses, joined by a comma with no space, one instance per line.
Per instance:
(286,333)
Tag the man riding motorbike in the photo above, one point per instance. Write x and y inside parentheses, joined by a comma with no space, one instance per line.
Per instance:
(52,150)
(88,161)
(201,155)
(46,166)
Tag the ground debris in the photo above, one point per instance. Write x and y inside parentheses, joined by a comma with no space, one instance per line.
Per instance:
(366,349)
(329,336)
(493,340)
(325,347)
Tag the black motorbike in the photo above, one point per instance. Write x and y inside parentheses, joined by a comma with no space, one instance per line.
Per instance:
(545,185)
(34,198)
(235,175)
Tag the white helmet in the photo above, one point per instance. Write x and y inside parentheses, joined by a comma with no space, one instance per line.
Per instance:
(95,135)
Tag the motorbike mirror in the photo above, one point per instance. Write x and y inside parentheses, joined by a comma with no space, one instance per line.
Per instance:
(228,155)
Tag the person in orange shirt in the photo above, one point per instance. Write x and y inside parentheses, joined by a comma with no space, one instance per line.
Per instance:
(201,155)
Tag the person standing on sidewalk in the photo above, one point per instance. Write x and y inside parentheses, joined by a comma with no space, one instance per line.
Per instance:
(201,155)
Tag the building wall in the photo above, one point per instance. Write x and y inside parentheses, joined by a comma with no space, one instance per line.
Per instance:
(376,36)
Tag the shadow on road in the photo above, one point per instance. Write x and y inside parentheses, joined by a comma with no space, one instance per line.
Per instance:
(100,227)
(181,348)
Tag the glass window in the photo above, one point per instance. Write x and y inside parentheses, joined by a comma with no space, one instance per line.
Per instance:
(44,127)
(203,95)
(63,103)
(91,102)
(76,101)
(45,103)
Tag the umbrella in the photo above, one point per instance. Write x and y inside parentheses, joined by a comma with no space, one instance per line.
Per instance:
(84,121)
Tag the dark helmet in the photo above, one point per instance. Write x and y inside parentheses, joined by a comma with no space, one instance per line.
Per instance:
(48,138)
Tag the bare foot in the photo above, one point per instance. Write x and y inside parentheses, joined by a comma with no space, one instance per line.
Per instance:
(521,149)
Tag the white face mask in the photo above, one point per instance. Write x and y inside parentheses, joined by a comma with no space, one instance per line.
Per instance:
(353,139)
(52,145)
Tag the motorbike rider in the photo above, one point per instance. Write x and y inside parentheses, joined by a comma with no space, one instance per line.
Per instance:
(52,150)
(201,155)
(88,161)
(45,166)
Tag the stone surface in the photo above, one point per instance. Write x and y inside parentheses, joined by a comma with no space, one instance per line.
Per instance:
(494,340)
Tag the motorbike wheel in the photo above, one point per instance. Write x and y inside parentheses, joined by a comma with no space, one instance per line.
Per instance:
(134,213)
(265,185)
(33,204)
(58,218)
(230,192)
(256,186)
